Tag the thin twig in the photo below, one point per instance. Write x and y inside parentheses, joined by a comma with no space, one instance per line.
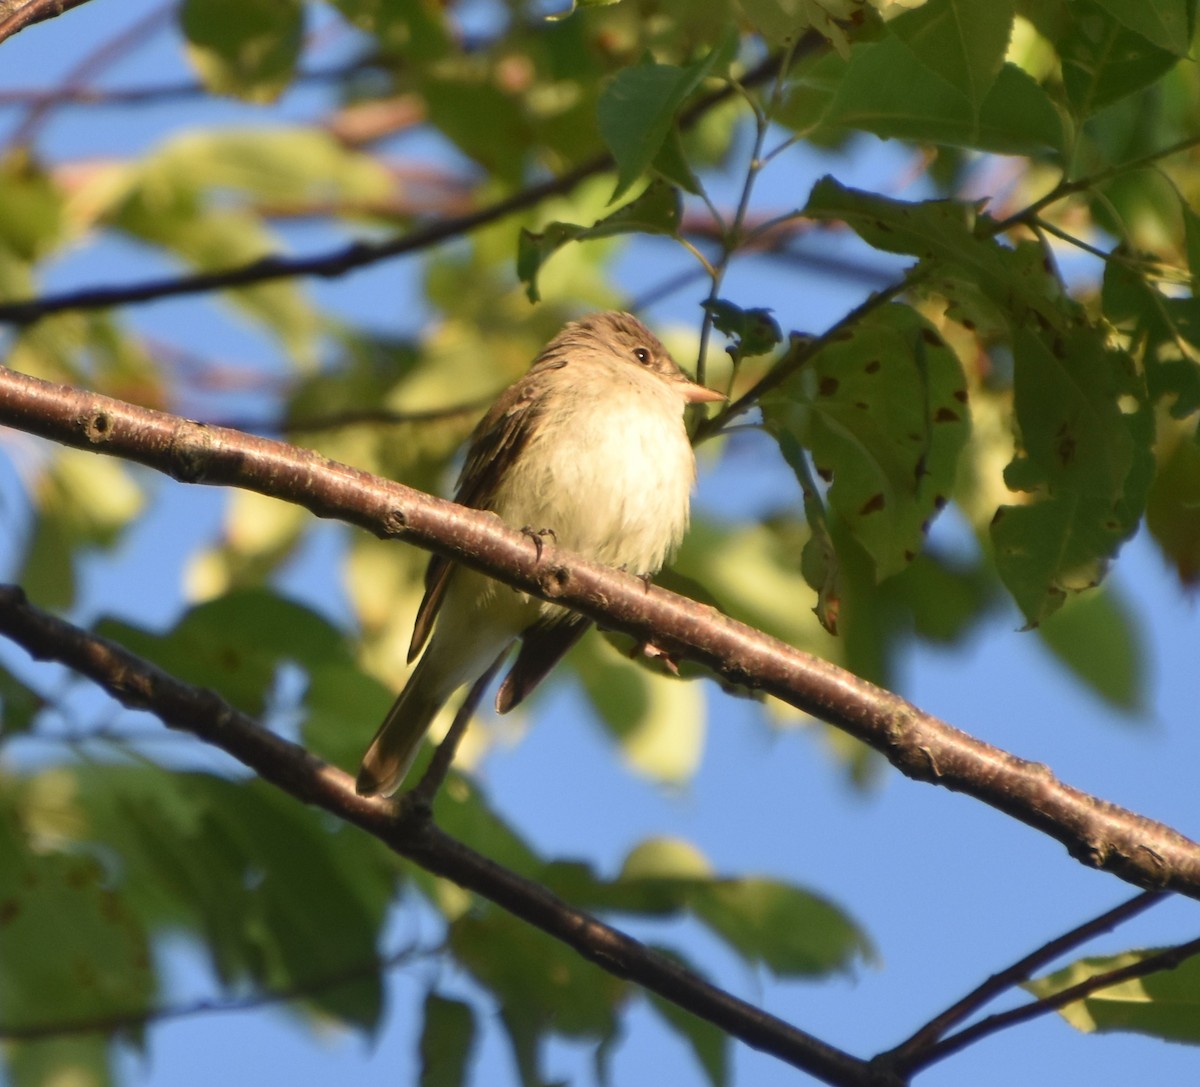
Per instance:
(1164,960)
(1067,188)
(154,94)
(913,1047)
(732,234)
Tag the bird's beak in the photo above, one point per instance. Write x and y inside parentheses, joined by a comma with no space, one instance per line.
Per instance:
(698,394)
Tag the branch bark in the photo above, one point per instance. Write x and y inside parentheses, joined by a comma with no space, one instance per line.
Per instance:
(16,15)
(1097,833)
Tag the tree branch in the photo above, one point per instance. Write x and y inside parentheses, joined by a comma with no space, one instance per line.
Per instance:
(408,830)
(1097,833)
(328,265)
(155,94)
(16,15)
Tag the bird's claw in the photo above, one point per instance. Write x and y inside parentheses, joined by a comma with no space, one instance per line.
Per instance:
(656,652)
(537,535)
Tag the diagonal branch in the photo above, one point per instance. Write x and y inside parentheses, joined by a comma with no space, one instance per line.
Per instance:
(16,15)
(407,829)
(1097,833)
(328,265)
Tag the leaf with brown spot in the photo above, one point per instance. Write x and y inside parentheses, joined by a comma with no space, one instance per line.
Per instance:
(864,411)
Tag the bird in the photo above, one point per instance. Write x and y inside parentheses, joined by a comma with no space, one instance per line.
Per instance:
(590,447)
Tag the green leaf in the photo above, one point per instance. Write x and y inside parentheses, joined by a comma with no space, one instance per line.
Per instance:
(70,946)
(245,48)
(341,706)
(665,858)
(34,221)
(236,643)
(1095,636)
(954,237)
(753,331)
(655,211)
(536,976)
(1173,508)
(177,198)
(962,41)
(1086,430)
(792,932)
(887,91)
(411,27)
(19,704)
(944,598)
(789,929)
(1166,23)
(882,413)
(83,502)
(484,119)
(1163,1005)
(1191,233)
(1103,61)
(781,21)
(751,571)
(447,1040)
(637,109)
(86,1061)
(1164,331)
(281,897)
(275,166)
(464,812)
(708,1042)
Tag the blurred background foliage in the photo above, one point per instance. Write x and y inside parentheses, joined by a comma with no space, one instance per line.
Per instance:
(1028,372)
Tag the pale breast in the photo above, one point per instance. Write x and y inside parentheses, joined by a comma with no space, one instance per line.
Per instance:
(612,478)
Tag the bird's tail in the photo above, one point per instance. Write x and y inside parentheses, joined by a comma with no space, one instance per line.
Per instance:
(395,746)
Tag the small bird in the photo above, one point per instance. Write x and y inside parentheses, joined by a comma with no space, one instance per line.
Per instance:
(588,447)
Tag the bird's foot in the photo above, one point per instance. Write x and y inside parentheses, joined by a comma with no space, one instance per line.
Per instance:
(656,652)
(538,535)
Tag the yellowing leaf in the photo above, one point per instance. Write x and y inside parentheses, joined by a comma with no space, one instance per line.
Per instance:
(1164,1005)
(665,858)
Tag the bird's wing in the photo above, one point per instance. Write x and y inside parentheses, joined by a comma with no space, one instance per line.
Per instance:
(496,442)
(543,645)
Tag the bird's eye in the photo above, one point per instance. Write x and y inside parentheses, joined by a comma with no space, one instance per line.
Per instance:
(642,354)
